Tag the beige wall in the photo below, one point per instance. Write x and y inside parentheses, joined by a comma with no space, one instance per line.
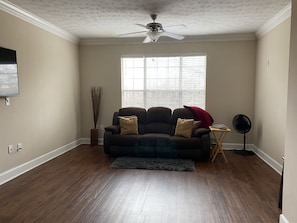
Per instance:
(290,179)
(46,115)
(271,91)
(230,78)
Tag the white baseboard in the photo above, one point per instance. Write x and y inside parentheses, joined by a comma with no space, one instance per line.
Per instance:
(25,167)
(88,141)
(233,146)
(282,219)
(85,141)
(267,159)
(260,153)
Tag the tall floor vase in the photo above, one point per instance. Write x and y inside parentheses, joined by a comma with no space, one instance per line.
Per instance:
(94,137)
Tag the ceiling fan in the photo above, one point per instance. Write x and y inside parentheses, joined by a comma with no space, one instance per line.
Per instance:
(155,30)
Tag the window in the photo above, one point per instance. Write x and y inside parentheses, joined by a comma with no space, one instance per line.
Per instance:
(163,81)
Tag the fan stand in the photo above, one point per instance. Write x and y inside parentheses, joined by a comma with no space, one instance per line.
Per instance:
(244,152)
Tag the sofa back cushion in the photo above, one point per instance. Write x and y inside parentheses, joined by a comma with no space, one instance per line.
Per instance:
(133,111)
(158,120)
(181,113)
(115,119)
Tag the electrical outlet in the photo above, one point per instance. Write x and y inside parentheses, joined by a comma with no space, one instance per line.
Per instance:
(10,149)
(19,147)
(7,101)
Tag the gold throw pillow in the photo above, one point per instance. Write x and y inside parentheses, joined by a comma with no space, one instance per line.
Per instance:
(184,127)
(129,125)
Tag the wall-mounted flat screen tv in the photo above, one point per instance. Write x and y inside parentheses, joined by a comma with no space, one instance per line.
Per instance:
(9,83)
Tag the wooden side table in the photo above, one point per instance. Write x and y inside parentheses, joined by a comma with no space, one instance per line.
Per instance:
(219,136)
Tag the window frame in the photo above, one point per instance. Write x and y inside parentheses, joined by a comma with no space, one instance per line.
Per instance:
(145,91)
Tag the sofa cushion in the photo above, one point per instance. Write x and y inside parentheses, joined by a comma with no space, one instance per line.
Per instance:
(125,140)
(155,139)
(128,125)
(184,127)
(182,113)
(139,112)
(159,114)
(158,127)
(181,143)
(158,120)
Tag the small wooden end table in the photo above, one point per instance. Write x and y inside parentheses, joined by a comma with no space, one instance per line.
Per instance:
(219,135)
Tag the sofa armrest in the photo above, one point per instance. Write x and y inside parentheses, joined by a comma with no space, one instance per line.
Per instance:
(201,131)
(114,129)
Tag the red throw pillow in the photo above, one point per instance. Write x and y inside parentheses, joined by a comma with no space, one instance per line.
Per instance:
(202,115)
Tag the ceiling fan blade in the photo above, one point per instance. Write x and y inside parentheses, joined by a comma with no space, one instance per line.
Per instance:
(176,26)
(126,34)
(141,25)
(173,35)
(147,40)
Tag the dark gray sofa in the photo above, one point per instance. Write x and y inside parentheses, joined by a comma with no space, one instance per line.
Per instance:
(155,138)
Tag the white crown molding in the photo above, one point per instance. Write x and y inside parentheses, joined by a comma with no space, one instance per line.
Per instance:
(14,10)
(188,39)
(222,37)
(33,19)
(280,17)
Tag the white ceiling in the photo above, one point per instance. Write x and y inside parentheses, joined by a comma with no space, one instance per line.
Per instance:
(110,18)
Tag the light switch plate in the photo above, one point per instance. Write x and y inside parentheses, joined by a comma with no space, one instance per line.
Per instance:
(19,147)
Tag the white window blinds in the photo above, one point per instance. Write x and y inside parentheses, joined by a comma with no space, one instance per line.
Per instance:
(163,81)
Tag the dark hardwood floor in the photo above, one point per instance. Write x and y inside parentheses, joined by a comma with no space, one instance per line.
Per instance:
(79,186)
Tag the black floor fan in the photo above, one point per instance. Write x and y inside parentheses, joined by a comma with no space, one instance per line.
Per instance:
(242,124)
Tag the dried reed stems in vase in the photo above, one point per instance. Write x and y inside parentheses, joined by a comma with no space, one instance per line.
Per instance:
(96,96)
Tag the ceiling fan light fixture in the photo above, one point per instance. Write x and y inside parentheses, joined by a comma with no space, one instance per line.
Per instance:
(154,35)
(155,30)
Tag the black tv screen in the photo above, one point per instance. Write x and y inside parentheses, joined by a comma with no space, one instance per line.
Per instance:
(9,83)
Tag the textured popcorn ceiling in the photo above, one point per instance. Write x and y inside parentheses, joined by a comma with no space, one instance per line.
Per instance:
(109,18)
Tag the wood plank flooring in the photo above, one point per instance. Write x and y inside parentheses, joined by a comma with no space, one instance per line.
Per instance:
(79,186)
